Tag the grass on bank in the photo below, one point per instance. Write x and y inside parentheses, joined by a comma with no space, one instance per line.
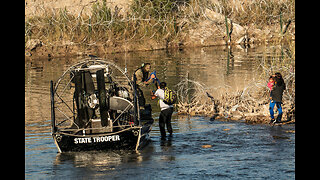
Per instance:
(158,19)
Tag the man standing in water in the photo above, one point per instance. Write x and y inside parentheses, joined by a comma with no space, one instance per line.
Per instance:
(166,111)
(276,98)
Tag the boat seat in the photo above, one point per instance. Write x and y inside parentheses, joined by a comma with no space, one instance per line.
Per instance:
(119,103)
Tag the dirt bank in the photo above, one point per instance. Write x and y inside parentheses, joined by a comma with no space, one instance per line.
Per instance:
(70,28)
(197,37)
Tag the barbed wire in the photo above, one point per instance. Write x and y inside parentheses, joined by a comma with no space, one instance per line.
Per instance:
(143,19)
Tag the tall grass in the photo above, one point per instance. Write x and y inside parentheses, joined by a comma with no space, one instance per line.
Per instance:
(145,19)
(258,12)
(158,19)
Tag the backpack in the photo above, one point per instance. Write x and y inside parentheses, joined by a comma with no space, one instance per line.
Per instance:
(170,96)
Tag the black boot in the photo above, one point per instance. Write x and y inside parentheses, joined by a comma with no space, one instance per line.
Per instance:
(279,117)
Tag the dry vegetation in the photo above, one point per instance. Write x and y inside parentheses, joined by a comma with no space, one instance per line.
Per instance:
(250,103)
(163,23)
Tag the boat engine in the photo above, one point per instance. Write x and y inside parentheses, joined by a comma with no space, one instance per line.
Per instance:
(98,96)
(93,101)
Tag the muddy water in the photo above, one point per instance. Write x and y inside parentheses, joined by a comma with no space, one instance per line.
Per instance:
(238,150)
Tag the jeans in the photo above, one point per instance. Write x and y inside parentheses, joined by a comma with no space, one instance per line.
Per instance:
(165,119)
(271,106)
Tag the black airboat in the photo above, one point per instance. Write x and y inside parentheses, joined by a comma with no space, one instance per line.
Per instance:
(94,106)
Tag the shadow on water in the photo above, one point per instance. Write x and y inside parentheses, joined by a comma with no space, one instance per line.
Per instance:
(234,149)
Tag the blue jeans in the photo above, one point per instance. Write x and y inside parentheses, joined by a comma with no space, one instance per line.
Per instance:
(271,106)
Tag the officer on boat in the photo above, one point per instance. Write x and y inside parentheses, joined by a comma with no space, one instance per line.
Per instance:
(143,80)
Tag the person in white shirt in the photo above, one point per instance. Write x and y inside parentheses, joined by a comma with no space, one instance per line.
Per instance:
(166,111)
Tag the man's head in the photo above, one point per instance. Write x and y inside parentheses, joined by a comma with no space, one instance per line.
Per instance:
(146,67)
(278,75)
(279,79)
(163,85)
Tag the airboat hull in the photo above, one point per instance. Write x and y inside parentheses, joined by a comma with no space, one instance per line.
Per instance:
(94,107)
(129,139)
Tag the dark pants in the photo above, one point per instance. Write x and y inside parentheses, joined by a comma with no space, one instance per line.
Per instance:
(165,119)
(141,99)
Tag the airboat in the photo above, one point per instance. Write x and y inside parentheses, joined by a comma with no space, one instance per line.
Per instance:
(94,106)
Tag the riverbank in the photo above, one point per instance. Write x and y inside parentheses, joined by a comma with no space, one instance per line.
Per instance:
(250,104)
(102,27)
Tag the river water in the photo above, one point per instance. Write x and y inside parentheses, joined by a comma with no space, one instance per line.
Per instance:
(237,150)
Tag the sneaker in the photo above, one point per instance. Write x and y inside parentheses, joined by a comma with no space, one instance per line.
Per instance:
(277,121)
(272,121)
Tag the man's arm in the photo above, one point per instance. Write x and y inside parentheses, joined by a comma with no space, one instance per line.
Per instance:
(149,81)
(139,76)
(154,95)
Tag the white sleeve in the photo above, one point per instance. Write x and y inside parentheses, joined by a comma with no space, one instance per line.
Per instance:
(157,93)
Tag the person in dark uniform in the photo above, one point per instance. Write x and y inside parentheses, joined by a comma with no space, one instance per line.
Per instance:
(142,75)
(276,98)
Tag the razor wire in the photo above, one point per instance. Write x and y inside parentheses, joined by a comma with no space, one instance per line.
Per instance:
(142,19)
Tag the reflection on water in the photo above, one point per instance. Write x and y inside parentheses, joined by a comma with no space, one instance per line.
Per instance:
(98,159)
(238,150)
(208,65)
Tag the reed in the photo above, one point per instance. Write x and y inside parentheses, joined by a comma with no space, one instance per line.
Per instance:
(160,20)
(256,12)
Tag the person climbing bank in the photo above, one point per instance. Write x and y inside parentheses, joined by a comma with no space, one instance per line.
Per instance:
(276,97)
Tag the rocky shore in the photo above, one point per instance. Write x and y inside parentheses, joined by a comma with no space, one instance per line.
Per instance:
(250,104)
